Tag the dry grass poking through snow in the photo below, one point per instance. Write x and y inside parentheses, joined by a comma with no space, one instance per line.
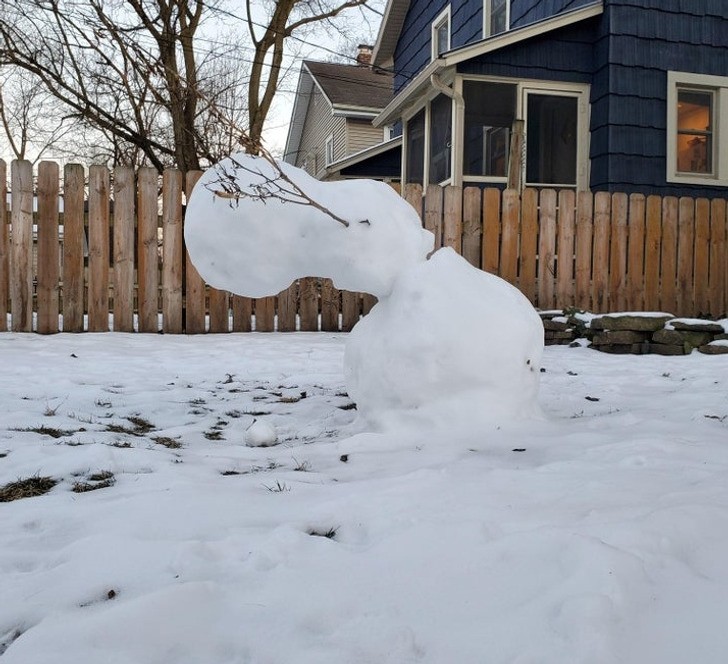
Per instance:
(26,488)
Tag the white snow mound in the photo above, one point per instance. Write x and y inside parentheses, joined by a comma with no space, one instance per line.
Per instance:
(257,247)
(450,338)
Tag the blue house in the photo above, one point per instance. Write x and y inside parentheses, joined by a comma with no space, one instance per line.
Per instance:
(607,95)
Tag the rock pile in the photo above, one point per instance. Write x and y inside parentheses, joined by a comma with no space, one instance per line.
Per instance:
(637,333)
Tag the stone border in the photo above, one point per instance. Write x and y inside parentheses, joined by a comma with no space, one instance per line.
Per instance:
(636,333)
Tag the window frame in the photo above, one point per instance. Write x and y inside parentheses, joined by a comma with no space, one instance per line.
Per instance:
(717,86)
(443,18)
(487,14)
(523,87)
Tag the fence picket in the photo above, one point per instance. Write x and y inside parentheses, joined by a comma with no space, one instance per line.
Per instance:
(618,253)
(308,304)
(242,308)
(472,226)
(432,219)
(265,313)
(583,259)
(147,252)
(685,255)
(636,252)
(491,229)
(49,266)
(701,260)
(452,222)
(546,248)
(21,246)
(194,285)
(124,221)
(287,309)
(4,248)
(529,243)
(509,236)
(653,252)
(350,309)
(330,297)
(668,255)
(600,261)
(718,278)
(565,251)
(73,248)
(172,251)
(98,249)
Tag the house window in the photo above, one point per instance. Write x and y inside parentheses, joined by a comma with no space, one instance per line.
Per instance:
(415,160)
(551,139)
(440,139)
(330,150)
(490,109)
(697,121)
(441,34)
(695,131)
(496,17)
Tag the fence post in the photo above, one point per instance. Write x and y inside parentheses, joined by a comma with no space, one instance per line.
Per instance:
(147,256)
(491,229)
(4,248)
(509,235)
(472,226)
(21,256)
(48,248)
(546,248)
(584,236)
(668,256)
(452,224)
(600,261)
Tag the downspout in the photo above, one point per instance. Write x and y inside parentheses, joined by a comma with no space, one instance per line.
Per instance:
(456,144)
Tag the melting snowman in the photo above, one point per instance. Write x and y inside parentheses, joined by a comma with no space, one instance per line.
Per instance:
(445,340)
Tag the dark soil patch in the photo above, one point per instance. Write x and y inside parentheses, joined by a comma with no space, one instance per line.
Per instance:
(49,431)
(168,442)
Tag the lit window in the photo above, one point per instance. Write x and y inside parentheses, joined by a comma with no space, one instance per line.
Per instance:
(441,34)
(694,131)
(497,17)
(697,122)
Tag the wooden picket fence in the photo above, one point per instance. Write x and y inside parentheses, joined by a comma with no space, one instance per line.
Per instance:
(116,247)
(597,252)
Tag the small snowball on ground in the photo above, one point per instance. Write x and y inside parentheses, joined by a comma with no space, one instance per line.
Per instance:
(260,434)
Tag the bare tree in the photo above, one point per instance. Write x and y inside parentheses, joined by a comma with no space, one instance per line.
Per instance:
(145,78)
(128,68)
(31,123)
(285,19)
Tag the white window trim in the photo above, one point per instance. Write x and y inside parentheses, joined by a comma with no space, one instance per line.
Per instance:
(329,150)
(719,86)
(443,17)
(487,11)
(579,90)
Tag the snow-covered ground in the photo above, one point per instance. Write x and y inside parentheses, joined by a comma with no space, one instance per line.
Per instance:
(599,534)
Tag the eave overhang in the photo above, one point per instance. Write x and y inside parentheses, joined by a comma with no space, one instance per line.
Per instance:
(448,61)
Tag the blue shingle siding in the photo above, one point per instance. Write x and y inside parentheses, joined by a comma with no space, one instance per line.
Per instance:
(564,55)
(524,12)
(629,95)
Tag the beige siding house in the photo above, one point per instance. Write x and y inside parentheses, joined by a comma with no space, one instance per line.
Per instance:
(332,115)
